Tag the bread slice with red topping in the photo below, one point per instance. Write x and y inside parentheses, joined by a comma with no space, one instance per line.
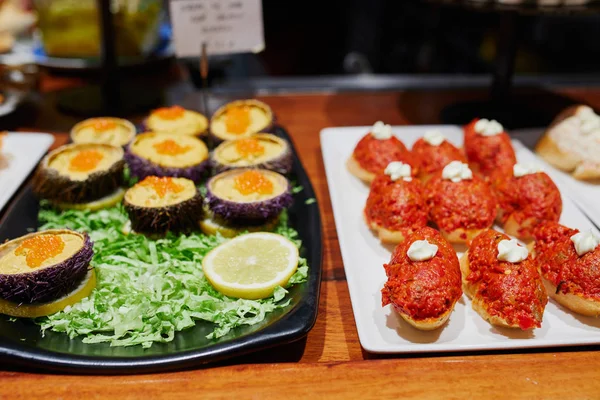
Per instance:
(373,153)
(395,208)
(424,284)
(488,152)
(571,279)
(525,201)
(433,158)
(506,294)
(461,210)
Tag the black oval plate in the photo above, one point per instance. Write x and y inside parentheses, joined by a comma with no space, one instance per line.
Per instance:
(21,342)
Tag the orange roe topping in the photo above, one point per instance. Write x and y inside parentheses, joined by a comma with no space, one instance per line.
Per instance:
(170,147)
(101,125)
(174,112)
(253,182)
(40,248)
(249,147)
(85,160)
(162,185)
(237,119)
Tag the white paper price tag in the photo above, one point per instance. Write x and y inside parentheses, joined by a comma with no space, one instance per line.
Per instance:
(227,26)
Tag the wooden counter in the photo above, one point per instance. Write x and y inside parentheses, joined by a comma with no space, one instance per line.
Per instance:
(331,363)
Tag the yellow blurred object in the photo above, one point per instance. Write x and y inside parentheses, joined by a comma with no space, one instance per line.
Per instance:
(6,42)
(70,28)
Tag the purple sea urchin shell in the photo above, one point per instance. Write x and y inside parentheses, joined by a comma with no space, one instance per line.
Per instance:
(147,125)
(90,121)
(49,184)
(216,139)
(141,168)
(281,163)
(239,212)
(49,283)
(180,217)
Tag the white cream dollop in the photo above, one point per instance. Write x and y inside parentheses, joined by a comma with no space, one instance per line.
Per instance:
(585,242)
(586,112)
(381,131)
(434,137)
(397,169)
(457,171)
(421,250)
(485,127)
(511,251)
(589,121)
(520,170)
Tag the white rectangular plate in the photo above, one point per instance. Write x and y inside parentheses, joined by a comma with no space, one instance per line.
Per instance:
(21,153)
(379,328)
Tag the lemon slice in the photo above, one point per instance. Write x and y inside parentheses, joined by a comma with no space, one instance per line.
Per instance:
(251,265)
(210,226)
(105,202)
(40,310)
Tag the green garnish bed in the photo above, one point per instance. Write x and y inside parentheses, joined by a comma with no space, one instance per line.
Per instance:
(149,289)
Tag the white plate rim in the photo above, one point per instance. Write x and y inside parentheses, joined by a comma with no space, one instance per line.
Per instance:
(37,145)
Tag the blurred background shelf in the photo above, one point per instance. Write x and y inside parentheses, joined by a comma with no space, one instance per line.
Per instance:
(349,45)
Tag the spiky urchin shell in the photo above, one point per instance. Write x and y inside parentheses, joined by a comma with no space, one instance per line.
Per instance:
(145,125)
(50,283)
(216,140)
(141,168)
(240,213)
(282,163)
(180,217)
(119,121)
(49,184)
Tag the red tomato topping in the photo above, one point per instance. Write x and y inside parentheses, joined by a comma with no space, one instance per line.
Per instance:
(468,204)
(561,265)
(529,196)
(423,289)
(512,291)
(434,158)
(491,154)
(374,155)
(396,205)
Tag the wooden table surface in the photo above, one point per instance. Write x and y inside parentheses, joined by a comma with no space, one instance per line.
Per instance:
(331,362)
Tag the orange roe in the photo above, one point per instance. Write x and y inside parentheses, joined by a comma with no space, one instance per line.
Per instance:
(162,185)
(85,160)
(249,147)
(253,182)
(174,112)
(170,147)
(40,248)
(101,125)
(237,119)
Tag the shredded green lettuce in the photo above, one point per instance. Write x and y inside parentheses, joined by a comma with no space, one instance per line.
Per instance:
(148,289)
